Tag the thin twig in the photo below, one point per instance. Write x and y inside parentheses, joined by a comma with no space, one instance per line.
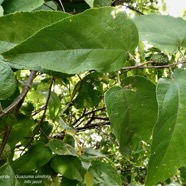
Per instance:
(86,114)
(5,139)
(47,101)
(15,106)
(134,9)
(21,96)
(182,54)
(43,116)
(92,126)
(62,5)
(141,66)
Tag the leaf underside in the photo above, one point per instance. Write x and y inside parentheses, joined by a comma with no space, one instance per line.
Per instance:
(98,39)
(164,32)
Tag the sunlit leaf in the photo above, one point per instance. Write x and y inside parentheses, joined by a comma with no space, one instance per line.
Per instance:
(90,2)
(92,154)
(61,148)
(1,10)
(165,32)
(89,179)
(37,156)
(68,166)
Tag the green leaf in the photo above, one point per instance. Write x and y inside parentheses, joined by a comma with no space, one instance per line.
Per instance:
(1,11)
(20,130)
(49,5)
(7,120)
(69,139)
(68,166)
(82,100)
(102,43)
(92,85)
(90,154)
(7,81)
(6,152)
(132,111)
(90,2)
(47,170)
(96,79)
(54,105)
(15,28)
(104,174)
(21,5)
(183,174)
(37,156)
(7,175)
(46,129)
(99,3)
(169,140)
(89,179)
(27,108)
(164,32)
(61,148)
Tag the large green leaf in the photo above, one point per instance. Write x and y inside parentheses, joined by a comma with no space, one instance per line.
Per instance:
(165,32)
(15,28)
(21,5)
(97,39)
(132,111)
(37,156)
(169,140)
(20,130)
(68,166)
(104,174)
(61,148)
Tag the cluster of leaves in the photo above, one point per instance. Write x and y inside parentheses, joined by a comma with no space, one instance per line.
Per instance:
(85,100)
